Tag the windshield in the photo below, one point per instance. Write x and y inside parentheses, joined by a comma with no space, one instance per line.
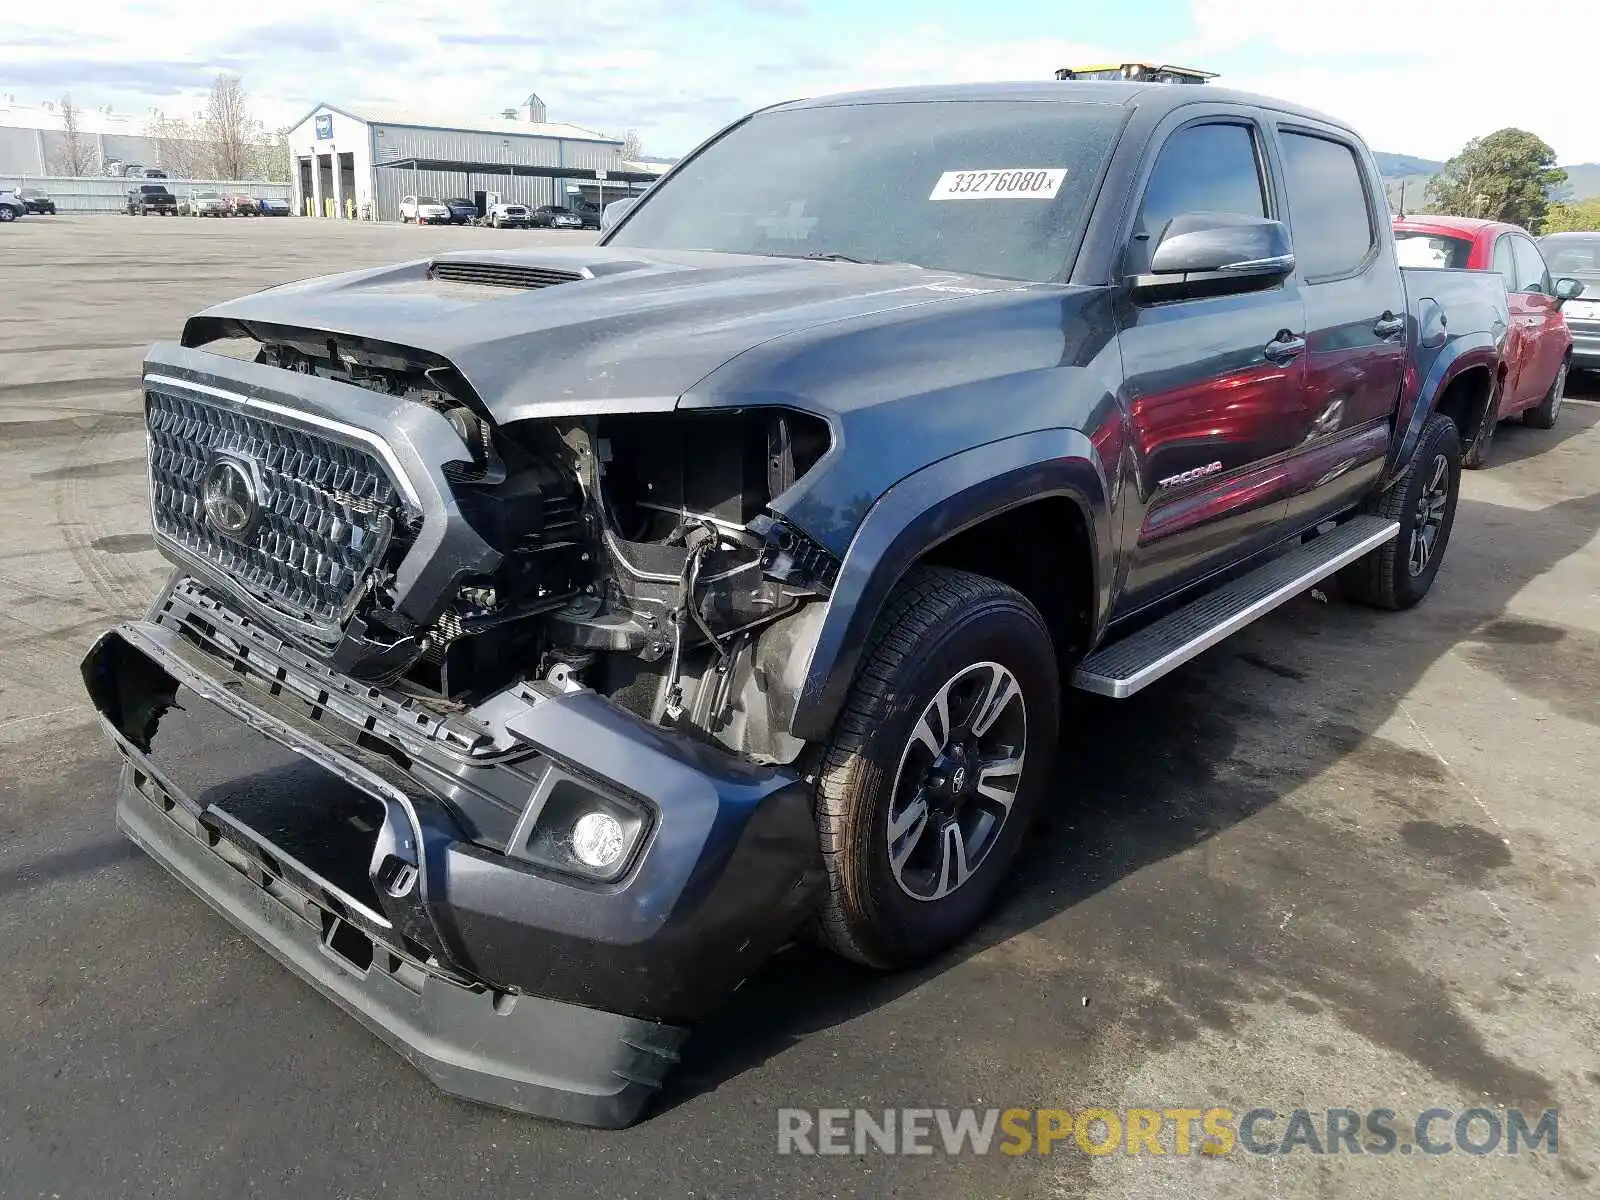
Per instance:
(206,196)
(988,187)
(1431,249)
(1572,256)
(426,200)
(31,193)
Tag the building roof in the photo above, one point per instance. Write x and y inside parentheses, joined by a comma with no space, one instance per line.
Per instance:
(381,115)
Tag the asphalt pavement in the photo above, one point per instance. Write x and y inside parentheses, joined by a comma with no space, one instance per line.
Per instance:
(1346,860)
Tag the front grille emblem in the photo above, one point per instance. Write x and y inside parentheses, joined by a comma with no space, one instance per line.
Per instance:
(229,495)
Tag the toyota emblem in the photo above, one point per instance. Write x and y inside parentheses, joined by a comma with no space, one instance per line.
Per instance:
(229,496)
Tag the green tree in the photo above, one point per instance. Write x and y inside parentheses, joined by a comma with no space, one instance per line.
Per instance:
(1582,216)
(1506,176)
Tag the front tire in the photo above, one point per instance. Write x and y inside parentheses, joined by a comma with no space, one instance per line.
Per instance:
(1398,574)
(936,767)
(1549,409)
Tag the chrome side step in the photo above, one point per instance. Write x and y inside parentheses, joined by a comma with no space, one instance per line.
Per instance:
(1138,660)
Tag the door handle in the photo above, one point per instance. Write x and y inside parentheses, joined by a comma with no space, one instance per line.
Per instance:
(1389,326)
(1285,347)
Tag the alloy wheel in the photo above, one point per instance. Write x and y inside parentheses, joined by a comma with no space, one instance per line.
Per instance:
(957,780)
(1431,506)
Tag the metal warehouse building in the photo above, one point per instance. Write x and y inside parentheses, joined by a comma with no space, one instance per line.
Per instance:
(357,162)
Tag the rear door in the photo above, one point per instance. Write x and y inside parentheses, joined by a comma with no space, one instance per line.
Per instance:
(1206,380)
(1355,322)
(1521,372)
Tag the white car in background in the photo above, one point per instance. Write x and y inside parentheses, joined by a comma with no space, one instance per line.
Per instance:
(503,216)
(11,205)
(423,210)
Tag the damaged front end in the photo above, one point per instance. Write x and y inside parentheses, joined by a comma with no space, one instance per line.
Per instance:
(482,728)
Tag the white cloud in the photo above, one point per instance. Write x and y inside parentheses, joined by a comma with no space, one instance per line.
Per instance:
(1419,77)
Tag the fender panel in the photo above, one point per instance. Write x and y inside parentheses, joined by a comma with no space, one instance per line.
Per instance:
(926,508)
(1462,354)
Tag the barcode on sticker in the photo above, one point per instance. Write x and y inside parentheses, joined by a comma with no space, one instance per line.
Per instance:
(1010,183)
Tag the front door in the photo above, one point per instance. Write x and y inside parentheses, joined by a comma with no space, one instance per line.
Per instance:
(1355,325)
(1207,381)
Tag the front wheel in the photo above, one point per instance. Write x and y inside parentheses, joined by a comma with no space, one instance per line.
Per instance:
(7,213)
(1399,573)
(936,767)
(1544,416)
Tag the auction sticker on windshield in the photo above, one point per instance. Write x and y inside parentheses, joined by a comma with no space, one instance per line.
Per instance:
(1007,183)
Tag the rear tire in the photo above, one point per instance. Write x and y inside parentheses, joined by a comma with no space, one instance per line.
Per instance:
(1545,415)
(1399,573)
(936,767)
(1476,456)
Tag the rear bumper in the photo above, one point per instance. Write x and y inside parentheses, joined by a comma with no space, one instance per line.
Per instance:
(503,982)
(1585,344)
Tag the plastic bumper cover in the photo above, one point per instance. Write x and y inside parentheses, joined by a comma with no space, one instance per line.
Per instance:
(502,983)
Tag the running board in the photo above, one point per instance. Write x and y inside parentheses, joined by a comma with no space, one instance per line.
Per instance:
(1138,660)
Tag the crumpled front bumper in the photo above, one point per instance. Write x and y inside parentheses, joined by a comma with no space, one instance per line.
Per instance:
(502,982)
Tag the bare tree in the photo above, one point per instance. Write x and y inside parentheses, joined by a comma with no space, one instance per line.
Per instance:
(632,147)
(183,148)
(76,155)
(233,135)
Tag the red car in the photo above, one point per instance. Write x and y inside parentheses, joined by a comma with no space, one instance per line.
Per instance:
(1539,346)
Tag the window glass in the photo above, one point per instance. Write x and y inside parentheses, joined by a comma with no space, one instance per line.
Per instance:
(1327,205)
(1504,264)
(1531,275)
(993,187)
(1204,168)
(1415,249)
(1572,255)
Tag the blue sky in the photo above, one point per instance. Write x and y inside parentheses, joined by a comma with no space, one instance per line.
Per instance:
(1413,77)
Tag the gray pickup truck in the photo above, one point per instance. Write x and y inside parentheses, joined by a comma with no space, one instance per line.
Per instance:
(557,633)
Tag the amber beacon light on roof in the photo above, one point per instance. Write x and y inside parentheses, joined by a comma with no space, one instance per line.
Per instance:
(1137,73)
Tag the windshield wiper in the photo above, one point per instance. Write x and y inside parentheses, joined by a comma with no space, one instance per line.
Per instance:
(835,256)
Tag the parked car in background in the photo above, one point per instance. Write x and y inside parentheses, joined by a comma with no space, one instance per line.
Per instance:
(502,216)
(588,212)
(423,210)
(555,216)
(1539,347)
(37,200)
(241,204)
(11,205)
(274,206)
(203,204)
(150,198)
(1577,256)
(154,173)
(462,211)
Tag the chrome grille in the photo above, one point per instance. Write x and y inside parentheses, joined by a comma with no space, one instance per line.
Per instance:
(327,510)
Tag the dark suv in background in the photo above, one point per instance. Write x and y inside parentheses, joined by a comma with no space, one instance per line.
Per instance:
(37,200)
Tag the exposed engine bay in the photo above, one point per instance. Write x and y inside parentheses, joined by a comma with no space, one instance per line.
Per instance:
(637,553)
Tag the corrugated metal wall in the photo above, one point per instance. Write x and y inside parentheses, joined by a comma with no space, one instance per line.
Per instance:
(398,142)
(110,195)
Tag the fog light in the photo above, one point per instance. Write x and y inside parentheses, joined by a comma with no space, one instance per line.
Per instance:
(598,841)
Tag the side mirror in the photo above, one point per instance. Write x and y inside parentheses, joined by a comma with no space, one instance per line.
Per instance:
(1568,289)
(1217,253)
(615,211)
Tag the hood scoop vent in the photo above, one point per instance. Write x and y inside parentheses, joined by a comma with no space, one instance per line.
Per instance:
(500,274)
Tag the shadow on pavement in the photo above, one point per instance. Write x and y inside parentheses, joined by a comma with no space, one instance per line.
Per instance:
(1144,781)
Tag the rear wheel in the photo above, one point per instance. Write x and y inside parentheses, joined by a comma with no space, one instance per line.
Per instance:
(936,767)
(1399,573)
(1544,416)
(1476,456)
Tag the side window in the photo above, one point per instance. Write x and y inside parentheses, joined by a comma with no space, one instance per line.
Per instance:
(1328,206)
(1505,264)
(1531,273)
(1204,168)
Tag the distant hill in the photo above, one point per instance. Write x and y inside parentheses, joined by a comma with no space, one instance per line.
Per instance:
(1583,179)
